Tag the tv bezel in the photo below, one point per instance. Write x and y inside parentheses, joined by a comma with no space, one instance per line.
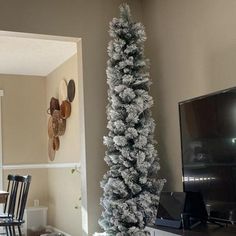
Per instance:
(180,127)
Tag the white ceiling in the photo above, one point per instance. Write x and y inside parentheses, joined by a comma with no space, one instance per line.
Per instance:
(28,56)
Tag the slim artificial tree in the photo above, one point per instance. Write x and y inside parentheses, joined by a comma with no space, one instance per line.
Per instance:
(131,186)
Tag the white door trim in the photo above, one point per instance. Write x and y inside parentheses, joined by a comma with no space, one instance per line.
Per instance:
(1,151)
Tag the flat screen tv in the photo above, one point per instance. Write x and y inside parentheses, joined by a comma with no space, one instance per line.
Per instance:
(208,141)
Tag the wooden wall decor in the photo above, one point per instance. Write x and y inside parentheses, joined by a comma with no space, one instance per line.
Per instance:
(59,111)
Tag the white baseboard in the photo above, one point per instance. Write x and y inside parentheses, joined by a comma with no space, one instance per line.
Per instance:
(56,230)
(41,166)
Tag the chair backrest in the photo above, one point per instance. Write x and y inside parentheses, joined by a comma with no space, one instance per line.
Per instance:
(18,188)
(10,179)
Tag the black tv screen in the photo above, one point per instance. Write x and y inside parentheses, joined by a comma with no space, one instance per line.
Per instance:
(208,140)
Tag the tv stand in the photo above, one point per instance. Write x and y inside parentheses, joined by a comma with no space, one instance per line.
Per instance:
(201,230)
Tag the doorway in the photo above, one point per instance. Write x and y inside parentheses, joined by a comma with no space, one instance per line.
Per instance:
(31,69)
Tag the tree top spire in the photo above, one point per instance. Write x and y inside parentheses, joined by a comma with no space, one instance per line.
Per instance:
(125,11)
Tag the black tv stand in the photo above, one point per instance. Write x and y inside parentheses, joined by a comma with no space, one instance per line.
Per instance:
(209,229)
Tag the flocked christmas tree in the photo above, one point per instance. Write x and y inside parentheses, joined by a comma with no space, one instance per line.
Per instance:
(131,186)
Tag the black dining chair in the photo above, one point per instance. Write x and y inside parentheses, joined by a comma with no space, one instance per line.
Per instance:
(6,211)
(18,188)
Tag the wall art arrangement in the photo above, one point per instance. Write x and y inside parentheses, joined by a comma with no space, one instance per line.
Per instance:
(59,111)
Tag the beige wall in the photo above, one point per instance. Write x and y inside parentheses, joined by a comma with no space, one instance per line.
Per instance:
(64,189)
(64,204)
(23,130)
(192,48)
(23,118)
(88,20)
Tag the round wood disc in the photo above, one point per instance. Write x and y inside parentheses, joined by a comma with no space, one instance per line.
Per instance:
(58,124)
(62,90)
(56,143)
(51,150)
(65,109)
(50,129)
(71,90)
